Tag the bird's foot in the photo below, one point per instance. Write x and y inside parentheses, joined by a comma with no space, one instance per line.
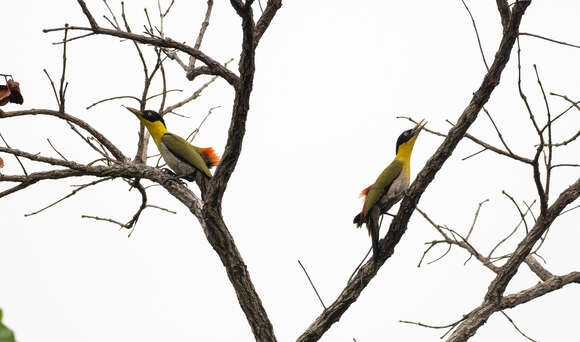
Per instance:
(174,177)
(168,172)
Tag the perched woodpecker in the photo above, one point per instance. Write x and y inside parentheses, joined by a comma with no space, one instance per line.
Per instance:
(181,156)
(390,186)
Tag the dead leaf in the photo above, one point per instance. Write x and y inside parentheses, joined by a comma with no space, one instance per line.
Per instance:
(4,95)
(15,94)
(1,163)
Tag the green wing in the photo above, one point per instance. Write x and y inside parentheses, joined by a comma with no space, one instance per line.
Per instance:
(185,151)
(6,335)
(382,184)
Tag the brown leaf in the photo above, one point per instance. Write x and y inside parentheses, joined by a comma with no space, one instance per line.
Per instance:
(1,163)
(15,94)
(4,95)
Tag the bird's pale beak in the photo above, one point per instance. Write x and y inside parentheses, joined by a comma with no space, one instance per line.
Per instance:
(134,111)
(419,127)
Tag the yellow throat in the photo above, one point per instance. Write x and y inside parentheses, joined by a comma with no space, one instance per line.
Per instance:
(156,129)
(404,154)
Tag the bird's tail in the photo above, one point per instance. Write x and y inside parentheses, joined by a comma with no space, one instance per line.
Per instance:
(358,220)
(209,156)
(375,241)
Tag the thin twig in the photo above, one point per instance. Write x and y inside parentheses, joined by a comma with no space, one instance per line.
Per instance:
(477,35)
(440,257)
(497,131)
(114,98)
(54,148)
(312,284)
(535,164)
(79,188)
(193,96)
(522,219)
(15,156)
(572,105)
(158,207)
(567,210)
(193,134)
(53,87)
(74,38)
(359,265)
(164,93)
(62,89)
(475,218)
(477,141)
(116,25)
(549,120)
(87,140)
(201,33)
(516,327)
(548,39)
(450,326)
(474,154)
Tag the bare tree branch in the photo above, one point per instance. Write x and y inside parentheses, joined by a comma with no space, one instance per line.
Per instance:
(201,33)
(493,300)
(17,159)
(485,145)
(67,117)
(548,39)
(312,284)
(516,327)
(477,35)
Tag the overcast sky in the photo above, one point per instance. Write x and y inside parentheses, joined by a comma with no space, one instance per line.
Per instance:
(331,77)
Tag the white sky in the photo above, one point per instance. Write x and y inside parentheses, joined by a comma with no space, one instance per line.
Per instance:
(331,78)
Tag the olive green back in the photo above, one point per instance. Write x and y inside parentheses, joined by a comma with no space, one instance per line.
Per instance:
(185,151)
(382,184)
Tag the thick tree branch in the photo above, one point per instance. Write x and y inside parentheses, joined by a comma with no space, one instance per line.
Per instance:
(504,13)
(271,8)
(88,14)
(240,110)
(551,284)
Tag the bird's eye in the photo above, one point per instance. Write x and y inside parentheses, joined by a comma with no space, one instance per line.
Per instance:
(406,133)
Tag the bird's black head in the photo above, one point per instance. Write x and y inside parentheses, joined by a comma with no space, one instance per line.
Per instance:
(147,115)
(152,116)
(403,138)
(410,135)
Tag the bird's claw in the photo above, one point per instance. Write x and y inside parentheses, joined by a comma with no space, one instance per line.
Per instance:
(174,177)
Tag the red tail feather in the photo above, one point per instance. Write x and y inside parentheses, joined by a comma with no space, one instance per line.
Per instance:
(210,155)
(365,191)
(360,219)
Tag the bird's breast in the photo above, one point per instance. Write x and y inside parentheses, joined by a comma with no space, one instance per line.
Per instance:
(396,190)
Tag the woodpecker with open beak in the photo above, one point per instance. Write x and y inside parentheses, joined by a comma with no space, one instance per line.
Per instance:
(181,156)
(390,186)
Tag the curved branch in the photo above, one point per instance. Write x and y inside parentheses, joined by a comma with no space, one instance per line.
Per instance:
(70,118)
(215,66)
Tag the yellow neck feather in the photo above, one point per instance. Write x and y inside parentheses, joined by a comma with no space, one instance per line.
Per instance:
(156,129)
(404,154)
